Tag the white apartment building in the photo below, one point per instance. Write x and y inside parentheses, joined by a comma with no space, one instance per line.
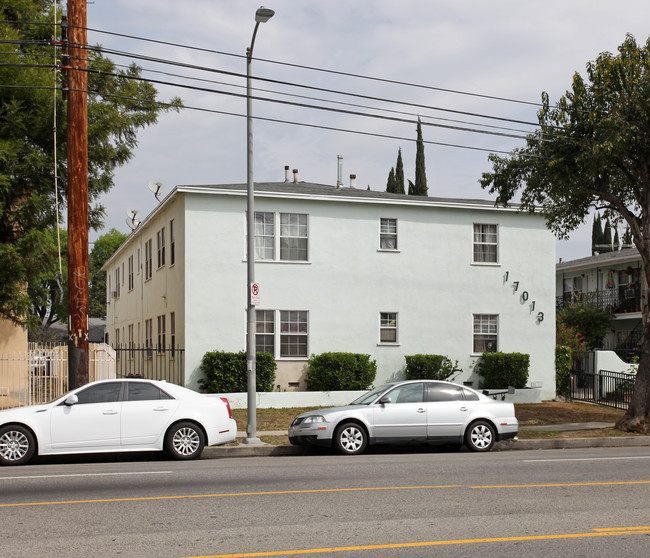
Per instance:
(339,269)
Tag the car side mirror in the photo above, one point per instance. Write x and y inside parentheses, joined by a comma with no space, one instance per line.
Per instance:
(72,400)
(384,400)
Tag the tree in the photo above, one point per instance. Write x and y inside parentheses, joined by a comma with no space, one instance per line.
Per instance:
(607,237)
(119,106)
(617,242)
(390,183)
(399,173)
(592,150)
(596,235)
(419,188)
(592,323)
(103,248)
(627,238)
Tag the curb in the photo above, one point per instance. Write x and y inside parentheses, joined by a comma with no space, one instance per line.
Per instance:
(264,450)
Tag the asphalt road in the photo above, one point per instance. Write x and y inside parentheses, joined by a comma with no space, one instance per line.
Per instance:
(580,502)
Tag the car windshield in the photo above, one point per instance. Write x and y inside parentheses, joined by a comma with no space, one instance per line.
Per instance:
(368,398)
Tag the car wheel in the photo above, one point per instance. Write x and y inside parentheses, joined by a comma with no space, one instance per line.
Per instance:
(184,440)
(480,436)
(17,445)
(350,439)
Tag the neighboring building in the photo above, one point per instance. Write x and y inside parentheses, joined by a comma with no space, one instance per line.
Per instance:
(609,281)
(339,269)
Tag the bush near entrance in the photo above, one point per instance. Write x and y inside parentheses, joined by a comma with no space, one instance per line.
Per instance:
(502,370)
(429,367)
(227,373)
(340,371)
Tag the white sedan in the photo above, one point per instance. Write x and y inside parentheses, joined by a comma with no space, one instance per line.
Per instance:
(117,416)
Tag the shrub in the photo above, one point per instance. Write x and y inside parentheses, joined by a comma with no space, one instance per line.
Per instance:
(429,367)
(592,322)
(501,370)
(563,370)
(226,372)
(340,371)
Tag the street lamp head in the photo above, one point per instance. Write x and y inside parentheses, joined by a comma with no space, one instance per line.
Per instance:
(262,15)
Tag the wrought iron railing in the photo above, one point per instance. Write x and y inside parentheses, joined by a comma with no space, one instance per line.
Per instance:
(613,389)
(622,301)
(156,363)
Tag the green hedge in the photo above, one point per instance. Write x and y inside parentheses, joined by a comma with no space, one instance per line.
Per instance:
(501,370)
(340,371)
(562,370)
(226,372)
(429,367)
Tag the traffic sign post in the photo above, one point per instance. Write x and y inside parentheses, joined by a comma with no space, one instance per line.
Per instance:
(255,294)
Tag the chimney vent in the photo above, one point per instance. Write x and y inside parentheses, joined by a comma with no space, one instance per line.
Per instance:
(353,181)
(286,173)
(295,176)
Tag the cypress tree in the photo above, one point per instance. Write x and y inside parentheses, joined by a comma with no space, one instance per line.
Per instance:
(420,187)
(627,238)
(607,237)
(399,173)
(617,243)
(390,185)
(596,235)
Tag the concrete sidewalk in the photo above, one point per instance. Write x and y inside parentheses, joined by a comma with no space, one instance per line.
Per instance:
(268,450)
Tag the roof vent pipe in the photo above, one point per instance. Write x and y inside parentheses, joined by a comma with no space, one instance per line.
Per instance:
(339,175)
(295,176)
(353,181)
(286,173)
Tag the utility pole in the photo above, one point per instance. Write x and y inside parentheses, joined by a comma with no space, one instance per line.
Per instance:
(77,196)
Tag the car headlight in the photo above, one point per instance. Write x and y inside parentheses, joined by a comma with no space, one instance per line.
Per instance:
(314,418)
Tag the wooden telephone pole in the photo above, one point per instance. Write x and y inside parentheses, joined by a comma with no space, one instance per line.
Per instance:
(78,357)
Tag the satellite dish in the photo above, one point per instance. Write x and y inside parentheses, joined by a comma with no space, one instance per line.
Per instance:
(157,188)
(132,219)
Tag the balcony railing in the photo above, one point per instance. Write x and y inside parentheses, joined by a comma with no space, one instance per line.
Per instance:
(621,301)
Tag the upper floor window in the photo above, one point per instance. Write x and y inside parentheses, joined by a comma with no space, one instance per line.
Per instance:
(172,243)
(292,242)
(160,243)
(485,333)
(148,259)
(485,244)
(130,267)
(116,294)
(388,234)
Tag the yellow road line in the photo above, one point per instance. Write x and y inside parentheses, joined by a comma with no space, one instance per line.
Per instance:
(599,533)
(319,491)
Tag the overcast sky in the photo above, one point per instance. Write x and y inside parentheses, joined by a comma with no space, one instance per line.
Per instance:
(509,49)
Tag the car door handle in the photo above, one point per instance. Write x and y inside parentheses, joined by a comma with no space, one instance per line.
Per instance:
(111,412)
(421,410)
(161,409)
(463,408)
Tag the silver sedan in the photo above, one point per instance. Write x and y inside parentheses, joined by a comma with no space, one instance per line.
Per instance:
(424,411)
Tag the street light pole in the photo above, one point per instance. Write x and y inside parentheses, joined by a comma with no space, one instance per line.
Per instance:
(262,15)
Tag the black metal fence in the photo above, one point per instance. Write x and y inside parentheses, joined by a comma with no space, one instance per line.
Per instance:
(604,387)
(156,363)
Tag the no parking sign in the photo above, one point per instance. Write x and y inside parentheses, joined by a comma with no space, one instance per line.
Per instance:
(255,294)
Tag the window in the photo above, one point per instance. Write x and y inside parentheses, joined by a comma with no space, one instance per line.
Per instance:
(485,333)
(142,391)
(116,294)
(172,243)
(293,333)
(388,234)
(172,333)
(572,289)
(148,259)
(265,236)
(131,343)
(161,333)
(108,290)
(388,327)
(293,237)
(265,331)
(130,273)
(148,335)
(117,339)
(485,244)
(160,244)
(444,392)
(100,393)
(407,393)
(292,242)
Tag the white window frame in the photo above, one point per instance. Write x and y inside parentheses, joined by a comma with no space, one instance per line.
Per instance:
(290,330)
(388,327)
(161,333)
(482,242)
(388,234)
(265,330)
(172,243)
(130,268)
(160,246)
(278,236)
(485,330)
(148,259)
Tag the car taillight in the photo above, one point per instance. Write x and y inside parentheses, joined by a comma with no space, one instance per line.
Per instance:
(227,406)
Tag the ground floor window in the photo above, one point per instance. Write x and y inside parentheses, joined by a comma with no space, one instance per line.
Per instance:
(293,329)
(388,327)
(485,333)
